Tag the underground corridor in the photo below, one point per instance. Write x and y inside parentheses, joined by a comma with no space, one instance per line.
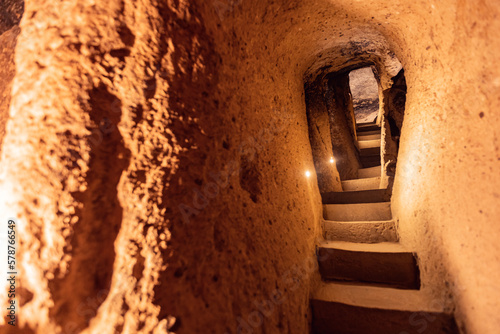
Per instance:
(248,167)
(366,272)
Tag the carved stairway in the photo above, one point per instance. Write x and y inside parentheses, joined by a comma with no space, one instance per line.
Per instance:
(370,282)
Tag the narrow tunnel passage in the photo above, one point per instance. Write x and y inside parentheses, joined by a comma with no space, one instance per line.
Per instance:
(370,281)
(202,211)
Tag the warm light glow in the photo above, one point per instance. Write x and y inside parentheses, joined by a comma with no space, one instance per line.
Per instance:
(332,160)
(308,173)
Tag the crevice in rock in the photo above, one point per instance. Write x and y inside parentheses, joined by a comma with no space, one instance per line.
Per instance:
(99,219)
(250,177)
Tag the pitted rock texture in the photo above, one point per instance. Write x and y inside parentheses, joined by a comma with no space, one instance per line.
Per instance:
(11,12)
(155,158)
(7,71)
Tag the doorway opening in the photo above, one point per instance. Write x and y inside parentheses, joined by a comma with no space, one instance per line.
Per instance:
(365,95)
(355,117)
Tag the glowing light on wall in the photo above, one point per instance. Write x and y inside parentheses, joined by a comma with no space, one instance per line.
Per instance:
(308,174)
(332,160)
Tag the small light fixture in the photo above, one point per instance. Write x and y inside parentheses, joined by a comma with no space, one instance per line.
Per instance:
(308,174)
(332,160)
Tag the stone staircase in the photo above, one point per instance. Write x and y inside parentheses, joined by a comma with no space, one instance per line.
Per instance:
(370,282)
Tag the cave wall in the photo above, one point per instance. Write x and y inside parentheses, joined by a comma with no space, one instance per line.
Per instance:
(11,12)
(10,15)
(160,185)
(318,112)
(343,126)
(445,193)
(161,182)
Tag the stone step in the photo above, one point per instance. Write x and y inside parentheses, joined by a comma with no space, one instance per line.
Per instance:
(368,127)
(370,151)
(360,196)
(367,133)
(374,122)
(370,137)
(368,161)
(363,232)
(384,264)
(358,212)
(369,144)
(361,184)
(369,172)
(351,309)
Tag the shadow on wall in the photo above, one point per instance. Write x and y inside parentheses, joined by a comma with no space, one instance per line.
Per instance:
(93,244)
(188,190)
(11,12)
(394,110)
(394,104)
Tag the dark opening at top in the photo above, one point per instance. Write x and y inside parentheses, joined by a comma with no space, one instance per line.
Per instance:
(364,90)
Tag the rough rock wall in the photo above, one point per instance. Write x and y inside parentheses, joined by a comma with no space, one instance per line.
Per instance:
(126,110)
(10,14)
(79,87)
(342,126)
(446,189)
(320,126)
(151,192)
(7,70)
(394,105)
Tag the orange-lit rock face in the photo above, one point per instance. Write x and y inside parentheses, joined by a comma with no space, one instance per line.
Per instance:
(155,158)
(10,15)
(7,71)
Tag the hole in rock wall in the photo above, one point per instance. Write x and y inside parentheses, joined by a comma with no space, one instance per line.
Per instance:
(364,89)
